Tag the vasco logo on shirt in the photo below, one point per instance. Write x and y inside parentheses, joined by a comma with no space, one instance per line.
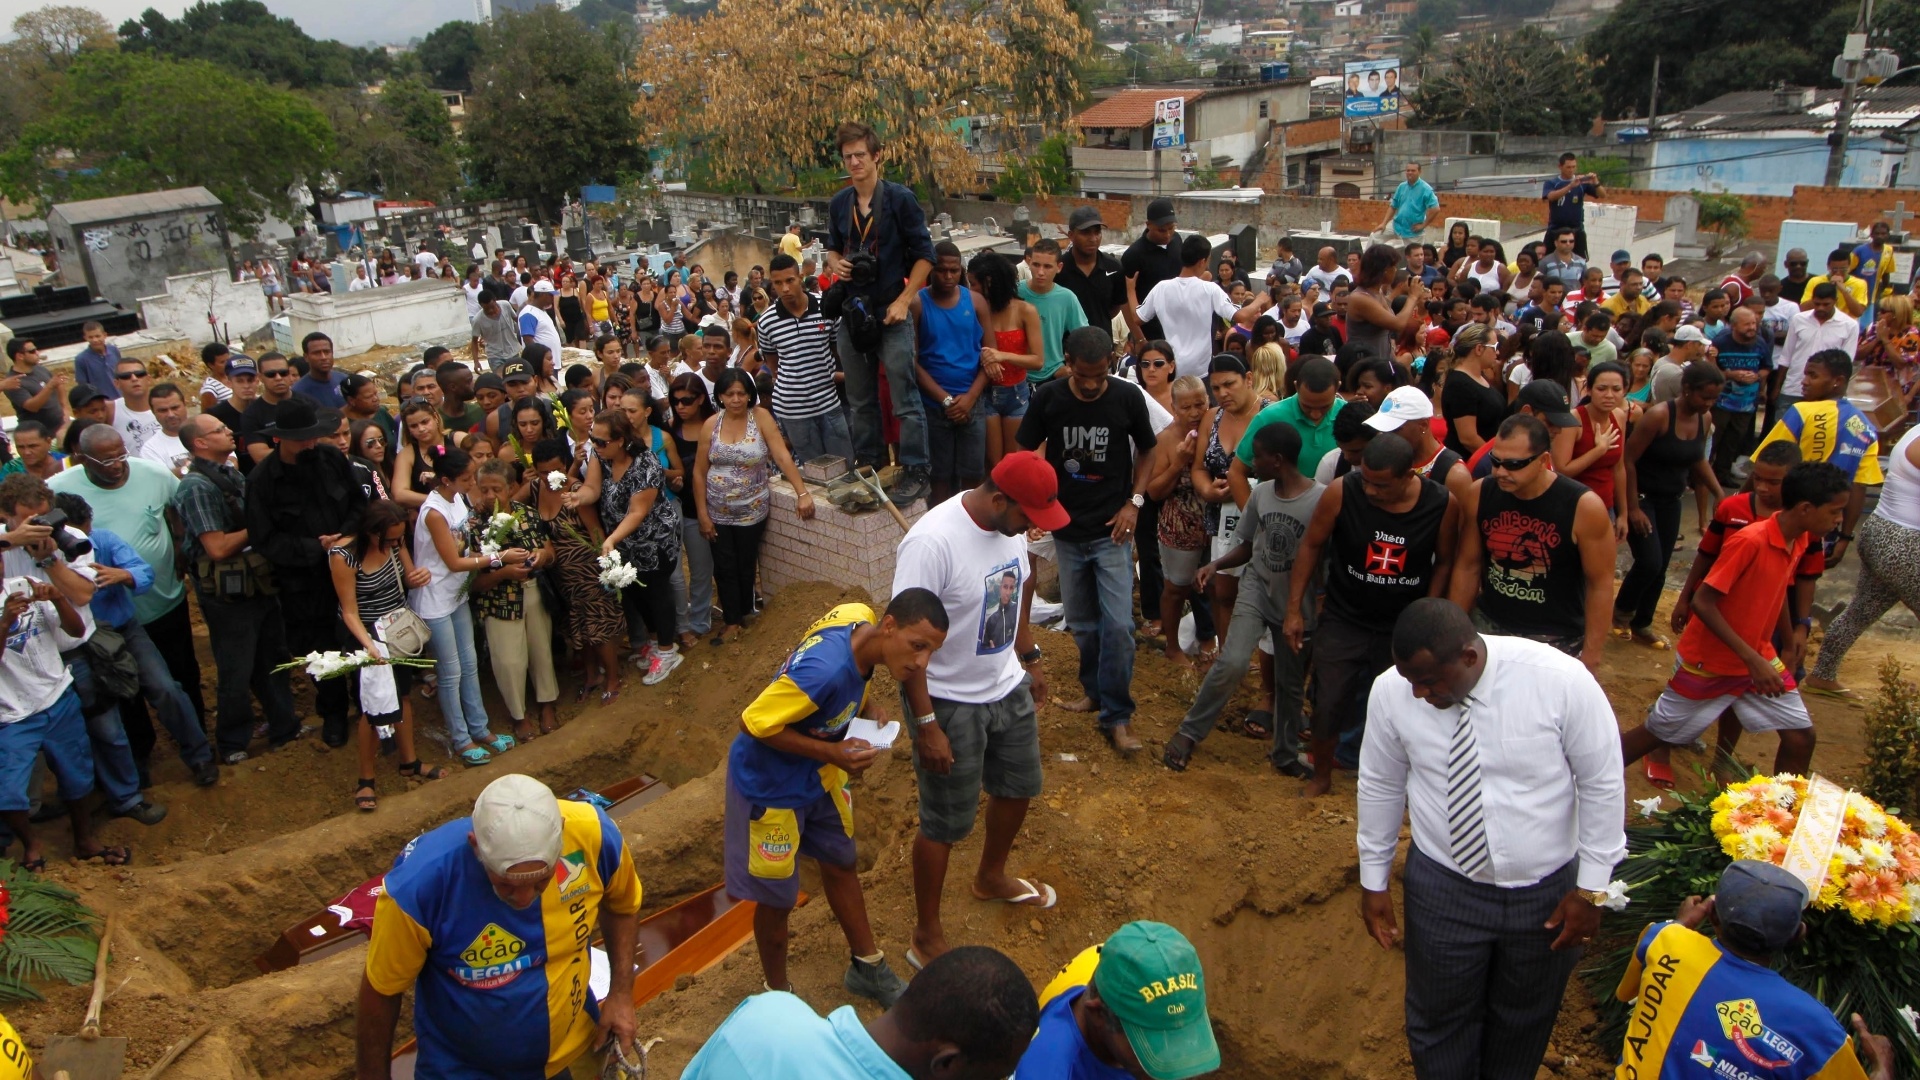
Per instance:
(493,959)
(571,874)
(1757,1042)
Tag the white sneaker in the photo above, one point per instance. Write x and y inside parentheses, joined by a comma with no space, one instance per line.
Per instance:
(663,664)
(643,656)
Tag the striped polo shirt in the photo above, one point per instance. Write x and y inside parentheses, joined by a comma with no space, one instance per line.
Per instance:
(801,347)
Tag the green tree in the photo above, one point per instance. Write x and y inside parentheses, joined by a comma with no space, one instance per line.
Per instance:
(243,35)
(398,142)
(45,43)
(551,108)
(1047,171)
(598,13)
(448,53)
(1433,17)
(1523,83)
(124,122)
(1706,50)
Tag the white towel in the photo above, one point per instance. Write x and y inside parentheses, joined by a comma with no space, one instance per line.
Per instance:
(378,694)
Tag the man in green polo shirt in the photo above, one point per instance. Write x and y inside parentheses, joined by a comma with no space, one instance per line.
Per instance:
(1316,401)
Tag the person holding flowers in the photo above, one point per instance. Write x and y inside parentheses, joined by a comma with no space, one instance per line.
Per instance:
(508,603)
(371,575)
(439,547)
(643,529)
(1727,653)
(594,620)
(1718,1003)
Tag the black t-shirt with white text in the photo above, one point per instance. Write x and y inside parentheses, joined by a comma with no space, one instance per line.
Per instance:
(1091,446)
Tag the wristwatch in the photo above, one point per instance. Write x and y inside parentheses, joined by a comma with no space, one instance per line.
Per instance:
(1596,897)
(1027,659)
(947,402)
(1138,500)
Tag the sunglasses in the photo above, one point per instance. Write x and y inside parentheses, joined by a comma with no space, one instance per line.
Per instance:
(373,440)
(123,376)
(1512,464)
(280,374)
(686,401)
(600,442)
(108,463)
(1155,363)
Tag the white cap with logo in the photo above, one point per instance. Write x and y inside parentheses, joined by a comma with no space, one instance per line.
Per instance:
(1403,405)
(516,820)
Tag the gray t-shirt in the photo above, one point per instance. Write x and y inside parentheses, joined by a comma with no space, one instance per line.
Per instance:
(499,336)
(1665,379)
(1274,526)
(31,381)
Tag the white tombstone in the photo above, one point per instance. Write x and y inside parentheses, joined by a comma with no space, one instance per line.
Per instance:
(1610,229)
(1683,213)
(1818,239)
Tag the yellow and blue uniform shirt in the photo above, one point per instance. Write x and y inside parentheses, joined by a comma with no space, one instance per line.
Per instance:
(1835,432)
(1058,1050)
(499,994)
(820,689)
(1700,1012)
(15,1062)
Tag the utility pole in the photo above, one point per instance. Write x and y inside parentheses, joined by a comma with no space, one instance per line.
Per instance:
(1847,67)
(1653,101)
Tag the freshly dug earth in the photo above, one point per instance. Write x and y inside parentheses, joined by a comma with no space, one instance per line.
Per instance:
(1262,881)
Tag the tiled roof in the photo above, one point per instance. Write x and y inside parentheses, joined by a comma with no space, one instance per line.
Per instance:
(1131,108)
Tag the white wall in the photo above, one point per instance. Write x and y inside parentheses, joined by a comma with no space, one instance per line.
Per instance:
(238,307)
(395,315)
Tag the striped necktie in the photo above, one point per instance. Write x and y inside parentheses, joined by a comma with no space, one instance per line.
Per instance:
(1466,823)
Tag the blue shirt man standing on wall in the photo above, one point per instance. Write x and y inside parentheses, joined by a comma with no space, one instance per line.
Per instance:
(1566,197)
(1412,207)
(95,364)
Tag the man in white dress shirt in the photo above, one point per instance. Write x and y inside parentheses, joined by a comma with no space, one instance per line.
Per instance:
(1506,755)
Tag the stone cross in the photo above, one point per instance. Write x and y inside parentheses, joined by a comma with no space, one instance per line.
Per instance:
(1897,217)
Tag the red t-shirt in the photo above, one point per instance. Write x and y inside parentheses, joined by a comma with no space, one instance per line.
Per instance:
(1737,289)
(1736,513)
(1751,575)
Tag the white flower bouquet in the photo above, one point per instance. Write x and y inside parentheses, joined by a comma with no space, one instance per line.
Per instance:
(333,663)
(615,574)
(556,480)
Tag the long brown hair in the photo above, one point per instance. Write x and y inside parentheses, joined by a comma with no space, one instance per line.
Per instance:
(379,516)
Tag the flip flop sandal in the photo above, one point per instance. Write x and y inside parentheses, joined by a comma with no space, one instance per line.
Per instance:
(580,694)
(1042,892)
(1254,727)
(500,744)
(107,856)
(474,756)
(1178,754)
(413,770)
(35,866)
(365,803)
(1660,774)
(608,697)
(1653,641)
(913,959)
(1841,694)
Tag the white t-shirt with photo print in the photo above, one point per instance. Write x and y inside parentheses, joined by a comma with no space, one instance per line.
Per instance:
(978,574)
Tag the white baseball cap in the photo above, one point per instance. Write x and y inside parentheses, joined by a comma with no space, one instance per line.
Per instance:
(1403,405)
(543,286)
(1689,333)
(516,820)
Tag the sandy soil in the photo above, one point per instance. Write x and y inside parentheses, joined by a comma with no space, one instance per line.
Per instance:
(1262,881)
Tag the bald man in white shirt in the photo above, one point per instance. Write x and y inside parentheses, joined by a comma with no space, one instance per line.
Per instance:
(1504,753)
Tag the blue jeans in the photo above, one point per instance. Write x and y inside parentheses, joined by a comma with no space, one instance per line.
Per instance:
(693,587)
(1009,402)
(458,668)
(157,684)
(1096,587)
(957,453)
(113,769)
(863,396)
(817,435)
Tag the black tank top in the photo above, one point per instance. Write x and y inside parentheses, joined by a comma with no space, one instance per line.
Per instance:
(1531,581)
(1382,562)
(1663,465)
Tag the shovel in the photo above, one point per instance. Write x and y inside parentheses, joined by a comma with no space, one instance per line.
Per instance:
(88,1056)
(868,476)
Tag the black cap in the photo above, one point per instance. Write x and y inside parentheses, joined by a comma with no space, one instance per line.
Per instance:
(1549,400)
(1759,904)
(82,393)
(1160,212)
(489,381)
(514,371)
(1083,218)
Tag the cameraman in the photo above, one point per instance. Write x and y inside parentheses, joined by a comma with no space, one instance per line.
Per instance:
(880,219)
(39,711)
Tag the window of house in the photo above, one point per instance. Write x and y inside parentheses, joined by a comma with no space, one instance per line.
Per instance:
(1263,109)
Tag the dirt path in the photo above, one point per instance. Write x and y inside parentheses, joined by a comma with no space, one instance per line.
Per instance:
(1262,881)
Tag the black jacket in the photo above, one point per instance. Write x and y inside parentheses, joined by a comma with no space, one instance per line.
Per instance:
(289,507)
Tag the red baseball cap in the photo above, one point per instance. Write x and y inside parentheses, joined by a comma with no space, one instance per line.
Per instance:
(1027,479)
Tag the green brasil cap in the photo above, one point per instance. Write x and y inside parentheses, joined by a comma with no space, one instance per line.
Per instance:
(1149,977)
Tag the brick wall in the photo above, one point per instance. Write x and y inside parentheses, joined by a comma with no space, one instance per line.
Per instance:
(854,550)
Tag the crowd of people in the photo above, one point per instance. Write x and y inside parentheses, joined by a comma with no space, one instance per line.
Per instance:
(1395,485)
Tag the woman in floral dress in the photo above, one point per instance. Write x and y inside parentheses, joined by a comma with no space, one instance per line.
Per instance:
(593,619)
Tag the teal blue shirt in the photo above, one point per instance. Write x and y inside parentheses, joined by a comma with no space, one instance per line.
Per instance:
(776,1036)
(1060,313)
(1412,202)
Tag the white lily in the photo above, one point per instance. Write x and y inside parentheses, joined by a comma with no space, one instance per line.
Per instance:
(1648,807)
(556,480)
(1912,1018)
(1616,896)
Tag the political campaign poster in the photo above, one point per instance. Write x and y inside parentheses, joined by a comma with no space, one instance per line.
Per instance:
(1373,88)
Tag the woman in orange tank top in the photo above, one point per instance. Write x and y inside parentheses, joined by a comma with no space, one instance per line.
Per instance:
(1015,352)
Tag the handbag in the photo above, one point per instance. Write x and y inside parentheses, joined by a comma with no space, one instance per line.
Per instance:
(116,673)
(403,633)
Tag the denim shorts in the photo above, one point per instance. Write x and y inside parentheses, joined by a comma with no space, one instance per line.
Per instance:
(1007,401)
